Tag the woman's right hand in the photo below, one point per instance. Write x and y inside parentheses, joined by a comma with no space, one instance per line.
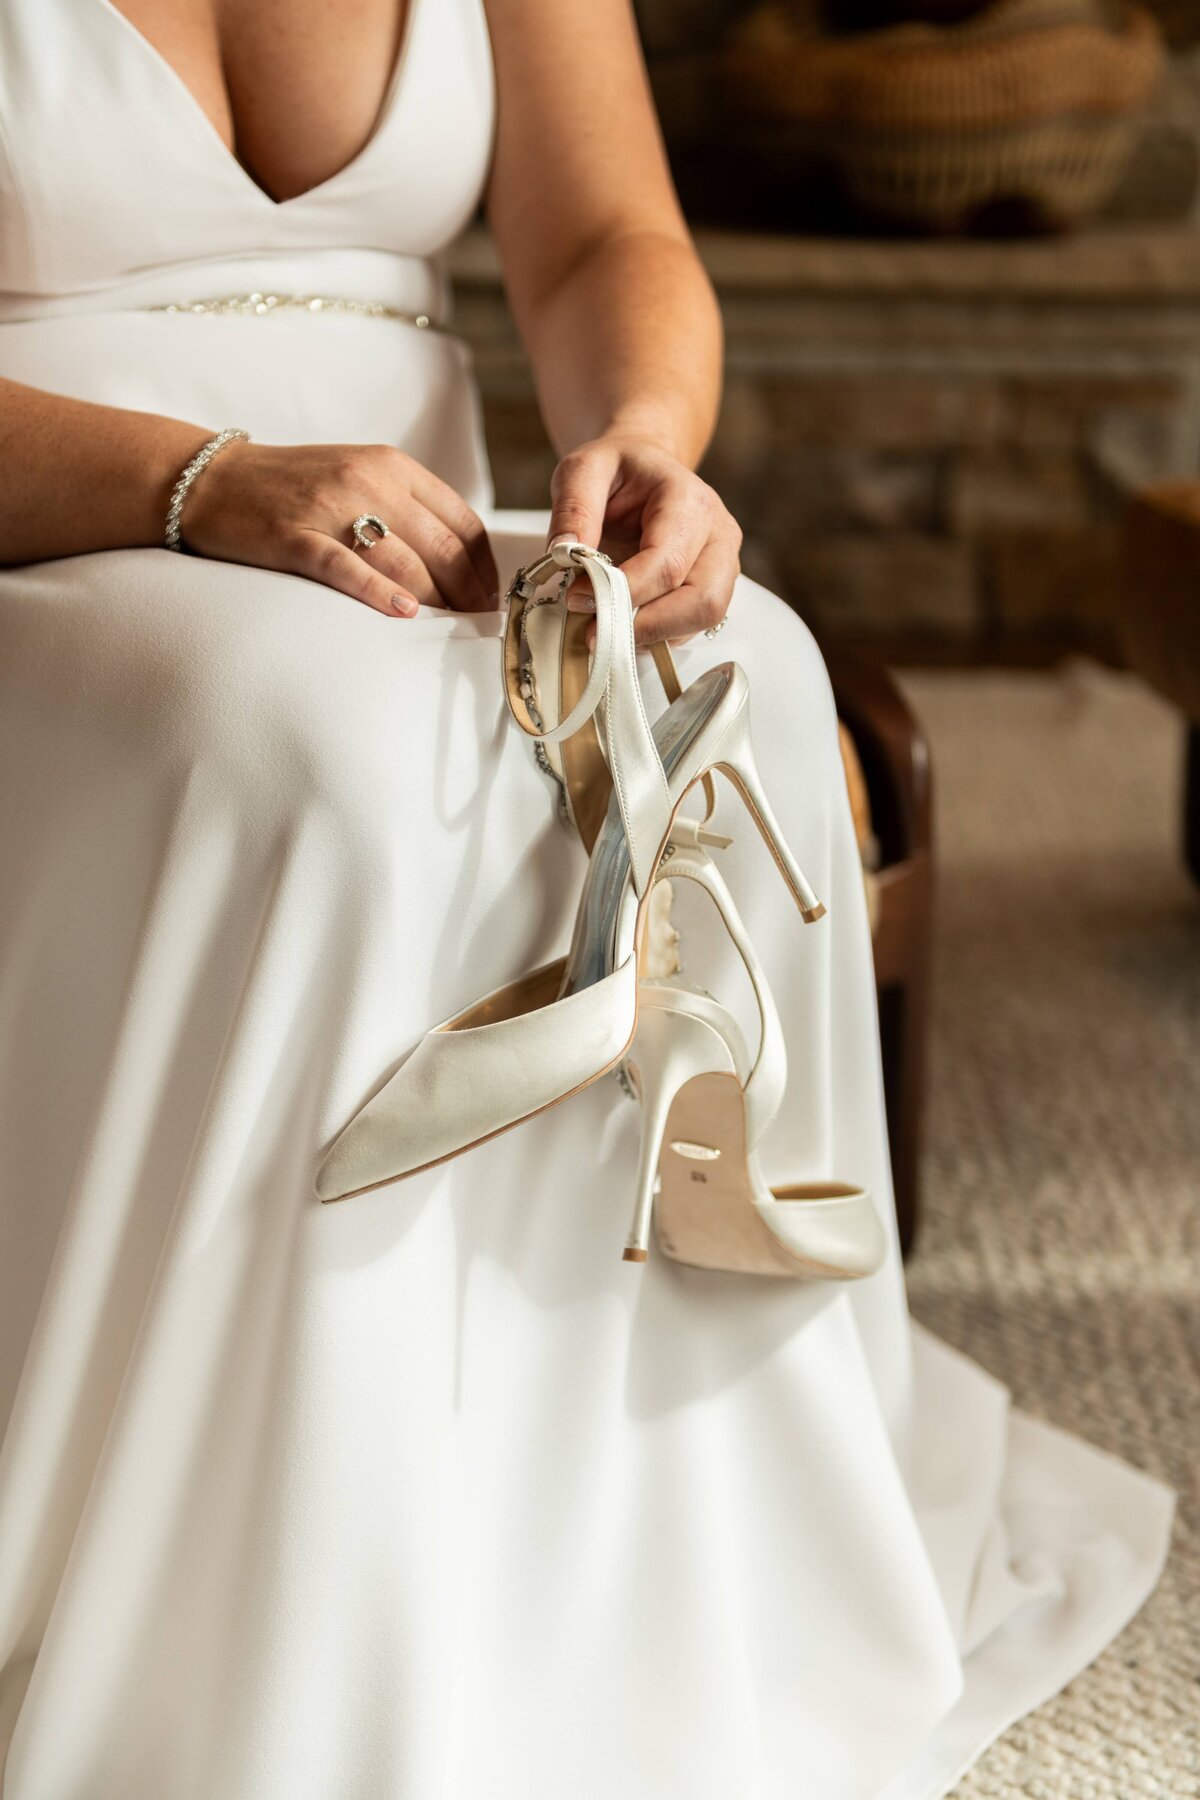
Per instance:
(290,507)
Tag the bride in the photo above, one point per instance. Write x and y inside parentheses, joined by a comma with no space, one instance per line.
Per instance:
(428,1492)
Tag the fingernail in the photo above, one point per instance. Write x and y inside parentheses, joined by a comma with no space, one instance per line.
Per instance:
(405,605)
(560,537)
(581,603)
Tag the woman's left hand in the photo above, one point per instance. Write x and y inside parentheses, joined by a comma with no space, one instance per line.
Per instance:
(630,491)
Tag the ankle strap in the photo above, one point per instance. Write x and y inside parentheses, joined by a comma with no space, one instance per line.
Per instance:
(525,585)
(633,759)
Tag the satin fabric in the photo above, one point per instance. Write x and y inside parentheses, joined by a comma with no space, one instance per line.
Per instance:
(427,1492)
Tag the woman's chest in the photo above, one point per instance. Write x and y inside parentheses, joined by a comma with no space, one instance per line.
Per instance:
(293,88)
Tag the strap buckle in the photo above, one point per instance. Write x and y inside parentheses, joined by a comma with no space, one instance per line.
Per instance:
(567,555)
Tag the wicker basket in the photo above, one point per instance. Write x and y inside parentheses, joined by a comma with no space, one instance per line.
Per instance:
(1032,101)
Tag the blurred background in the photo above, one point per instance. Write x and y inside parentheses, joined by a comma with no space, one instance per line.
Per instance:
(957,248)
(928,432)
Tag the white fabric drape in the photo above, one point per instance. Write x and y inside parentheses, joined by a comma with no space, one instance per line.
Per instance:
(429,1492)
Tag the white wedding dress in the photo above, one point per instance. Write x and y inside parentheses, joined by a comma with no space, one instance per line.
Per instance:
(428,1493)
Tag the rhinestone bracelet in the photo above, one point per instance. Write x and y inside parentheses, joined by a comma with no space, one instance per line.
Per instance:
(199,462)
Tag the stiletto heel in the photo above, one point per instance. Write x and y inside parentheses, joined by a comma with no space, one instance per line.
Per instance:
(706,1108)
(736,760)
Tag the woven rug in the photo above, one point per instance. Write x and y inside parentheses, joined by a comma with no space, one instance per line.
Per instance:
(1060,1244)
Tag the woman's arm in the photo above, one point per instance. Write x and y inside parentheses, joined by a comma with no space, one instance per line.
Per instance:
(616,311)
(76,477)
(605,285)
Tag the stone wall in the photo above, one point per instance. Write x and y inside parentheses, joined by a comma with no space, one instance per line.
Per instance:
(928,445)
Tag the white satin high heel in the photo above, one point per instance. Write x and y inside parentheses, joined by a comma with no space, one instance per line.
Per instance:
(542,1038)
(705,1109)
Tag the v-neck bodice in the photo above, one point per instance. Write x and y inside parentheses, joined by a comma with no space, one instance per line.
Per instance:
(116,188)
(220,149)
(119,197)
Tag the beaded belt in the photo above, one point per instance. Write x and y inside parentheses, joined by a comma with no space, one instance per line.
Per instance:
(262,304)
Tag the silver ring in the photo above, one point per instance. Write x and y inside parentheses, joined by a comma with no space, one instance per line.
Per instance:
(713,629)
(360,527)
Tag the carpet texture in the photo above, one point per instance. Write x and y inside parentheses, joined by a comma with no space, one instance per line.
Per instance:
(1060,1243)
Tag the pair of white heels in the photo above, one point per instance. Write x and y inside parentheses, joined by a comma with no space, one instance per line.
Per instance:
(542,1038)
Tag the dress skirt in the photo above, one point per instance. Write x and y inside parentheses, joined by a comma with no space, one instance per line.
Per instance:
(428,1493)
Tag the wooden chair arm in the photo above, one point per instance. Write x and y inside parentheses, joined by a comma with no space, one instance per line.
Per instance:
(894,759)
(893,751)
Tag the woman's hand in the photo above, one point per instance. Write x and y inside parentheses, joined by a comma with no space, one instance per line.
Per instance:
(632,492)
(290,507)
